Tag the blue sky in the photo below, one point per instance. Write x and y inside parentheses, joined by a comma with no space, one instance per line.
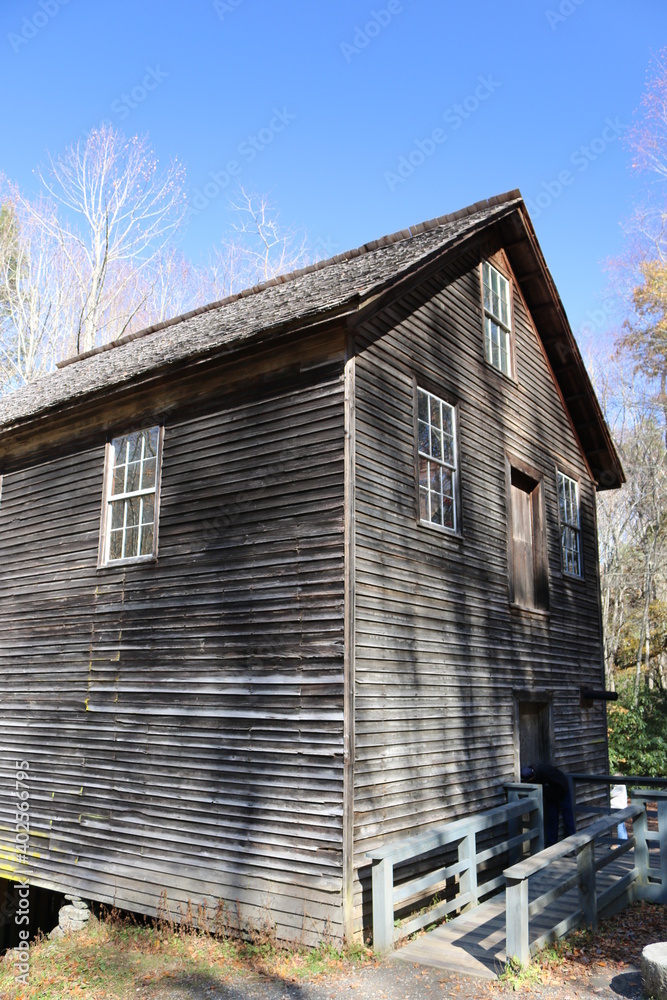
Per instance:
(318,104)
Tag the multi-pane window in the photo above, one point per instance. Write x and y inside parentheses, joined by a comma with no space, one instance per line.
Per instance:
(570,528)
(497,321)
(130,506)
(437,461)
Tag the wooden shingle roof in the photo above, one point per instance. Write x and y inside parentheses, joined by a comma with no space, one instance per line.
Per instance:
(324,290)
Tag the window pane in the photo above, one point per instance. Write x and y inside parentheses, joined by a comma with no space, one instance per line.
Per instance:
(116,545)
(436,508)
(424,438)
(151,441)
(448,513)
(133,507)
(131,543)
(135,447)
(423,404)
(423,504)
(133,477)
(495,353)
(148,510)
(119,479)
(117,514)
(505,310)
(504,358)
(120,449)
(436,443)
(423,472)
(448,450)
(436,415)
(148,474)
(147,540)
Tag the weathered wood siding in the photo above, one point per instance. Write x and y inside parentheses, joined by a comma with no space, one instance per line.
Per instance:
(439,651)
(183,719)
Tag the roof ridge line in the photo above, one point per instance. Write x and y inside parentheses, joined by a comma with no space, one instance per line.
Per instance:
(384,241)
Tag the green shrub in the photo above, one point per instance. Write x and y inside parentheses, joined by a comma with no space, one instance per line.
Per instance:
(638,735)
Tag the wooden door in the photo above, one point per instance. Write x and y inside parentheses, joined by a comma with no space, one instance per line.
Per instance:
(534,733)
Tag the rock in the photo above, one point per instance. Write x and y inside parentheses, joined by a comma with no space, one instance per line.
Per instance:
(56,934)
(72,918)
(654,970)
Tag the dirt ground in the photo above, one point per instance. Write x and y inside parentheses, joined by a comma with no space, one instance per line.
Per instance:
(394,981)
(119,959)
(586,967)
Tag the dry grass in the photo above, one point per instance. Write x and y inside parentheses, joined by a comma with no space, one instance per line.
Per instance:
(616,947)
(117,958)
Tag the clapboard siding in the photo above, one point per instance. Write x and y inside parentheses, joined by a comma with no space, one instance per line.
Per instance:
(306,671)
(439,652)
(184,719)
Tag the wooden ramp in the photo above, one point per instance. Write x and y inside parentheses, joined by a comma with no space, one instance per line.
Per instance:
(473,944)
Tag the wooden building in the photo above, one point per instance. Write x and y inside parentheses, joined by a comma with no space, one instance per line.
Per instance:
(300,572)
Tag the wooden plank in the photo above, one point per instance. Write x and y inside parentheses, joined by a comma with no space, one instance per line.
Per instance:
(383,905)
(517,947)
(350,645)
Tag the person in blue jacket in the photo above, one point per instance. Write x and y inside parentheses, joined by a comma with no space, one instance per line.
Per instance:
(556,799)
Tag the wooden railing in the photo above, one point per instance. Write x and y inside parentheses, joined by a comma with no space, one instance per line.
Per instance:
(503,827)
(654,887)
(604,781)
(634,884)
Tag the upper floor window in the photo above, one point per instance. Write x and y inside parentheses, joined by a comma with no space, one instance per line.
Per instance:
(570,529)
(497,319)
(438,461)
(129,521)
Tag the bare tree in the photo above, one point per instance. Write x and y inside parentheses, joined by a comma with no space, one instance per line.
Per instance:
(632,526)
(35,295)
(175,286)
(96,257)
(117,214)
(648,136)
(256,250)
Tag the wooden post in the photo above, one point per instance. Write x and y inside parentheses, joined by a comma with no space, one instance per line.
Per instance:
(538,793)
(661,802)
(588,901)
(639,829)
(660,799)
(516,921)
(383,905)
(515,792)
(515,853)
(468,878)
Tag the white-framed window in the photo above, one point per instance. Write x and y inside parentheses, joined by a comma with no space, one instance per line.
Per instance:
(497,319)
(438,461)
(130,514)
(570,528)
